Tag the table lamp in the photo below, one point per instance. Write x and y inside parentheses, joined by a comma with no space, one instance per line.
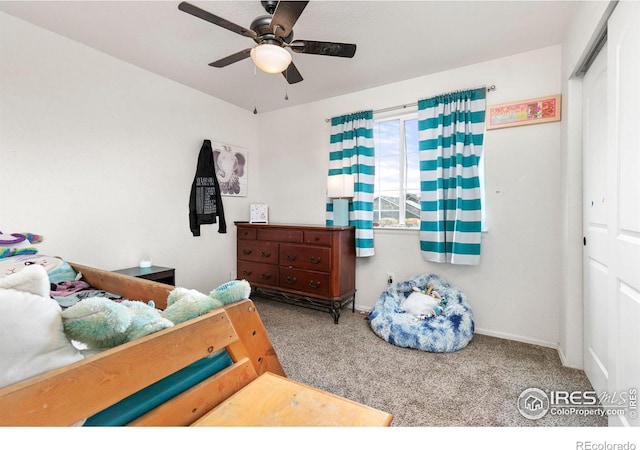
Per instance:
(340,189)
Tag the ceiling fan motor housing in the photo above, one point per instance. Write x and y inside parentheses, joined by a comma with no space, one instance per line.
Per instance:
(261,25)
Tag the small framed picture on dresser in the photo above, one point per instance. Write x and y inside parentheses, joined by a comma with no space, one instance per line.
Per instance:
(259,213)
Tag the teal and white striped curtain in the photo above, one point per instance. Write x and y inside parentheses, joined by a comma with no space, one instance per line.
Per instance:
(351,152)
(451,132)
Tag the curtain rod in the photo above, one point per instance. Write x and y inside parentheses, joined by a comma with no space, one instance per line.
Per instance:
(409,105)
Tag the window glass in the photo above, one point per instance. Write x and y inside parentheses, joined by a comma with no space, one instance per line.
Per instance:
(397,188)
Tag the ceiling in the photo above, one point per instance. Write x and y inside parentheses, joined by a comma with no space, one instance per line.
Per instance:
(396,40)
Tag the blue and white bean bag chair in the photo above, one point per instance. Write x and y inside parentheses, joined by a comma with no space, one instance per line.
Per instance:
(448,331)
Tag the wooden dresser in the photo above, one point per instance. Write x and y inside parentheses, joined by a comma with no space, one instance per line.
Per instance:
(313,266)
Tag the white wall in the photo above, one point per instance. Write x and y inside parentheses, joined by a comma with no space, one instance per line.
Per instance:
(98,156)
(515,291)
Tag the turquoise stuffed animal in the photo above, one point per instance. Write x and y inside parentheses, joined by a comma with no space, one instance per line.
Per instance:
(232,291)
(185,304)
(99,322)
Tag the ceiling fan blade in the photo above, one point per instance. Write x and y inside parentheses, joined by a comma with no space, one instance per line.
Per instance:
(292,75)
(324,48)
(205,15)
(285,16)
(239,56)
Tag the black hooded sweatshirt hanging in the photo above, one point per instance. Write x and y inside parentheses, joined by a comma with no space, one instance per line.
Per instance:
(205,202)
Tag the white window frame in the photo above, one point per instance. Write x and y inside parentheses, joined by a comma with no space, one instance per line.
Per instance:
(402,117)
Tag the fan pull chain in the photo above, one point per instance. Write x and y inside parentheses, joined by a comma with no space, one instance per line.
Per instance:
(286,84)
(255,75)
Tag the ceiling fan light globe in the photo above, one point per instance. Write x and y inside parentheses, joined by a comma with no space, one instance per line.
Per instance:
(270,58)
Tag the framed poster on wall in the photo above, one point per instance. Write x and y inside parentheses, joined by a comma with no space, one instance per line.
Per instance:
(524,112)
(231,169)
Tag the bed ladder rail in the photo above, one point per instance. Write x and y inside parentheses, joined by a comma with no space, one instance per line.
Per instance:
(253,354)
(192,404)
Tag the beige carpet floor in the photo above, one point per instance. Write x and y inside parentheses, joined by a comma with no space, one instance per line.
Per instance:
(477,386)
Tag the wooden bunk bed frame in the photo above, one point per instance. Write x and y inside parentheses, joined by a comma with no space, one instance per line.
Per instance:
(67,395)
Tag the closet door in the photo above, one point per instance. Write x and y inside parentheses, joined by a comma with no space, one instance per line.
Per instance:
(597,256)
(623,284)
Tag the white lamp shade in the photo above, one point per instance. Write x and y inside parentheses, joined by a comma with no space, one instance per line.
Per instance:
(340,186)
(270,58)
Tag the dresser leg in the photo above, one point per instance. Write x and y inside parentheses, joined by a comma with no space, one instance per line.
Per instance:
(335,311)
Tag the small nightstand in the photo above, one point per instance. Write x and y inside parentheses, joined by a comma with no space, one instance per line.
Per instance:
(166,275)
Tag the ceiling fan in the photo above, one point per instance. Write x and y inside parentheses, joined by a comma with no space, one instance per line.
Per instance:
(274,34)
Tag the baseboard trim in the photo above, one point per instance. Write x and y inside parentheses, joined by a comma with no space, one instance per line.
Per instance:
(563,358)
(516,337)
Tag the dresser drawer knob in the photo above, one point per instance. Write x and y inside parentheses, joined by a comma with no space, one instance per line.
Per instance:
(246,273)
(265,254)
(314,260)
(265,276)
(246,251)
(291,280)
(313,284)
(290,257)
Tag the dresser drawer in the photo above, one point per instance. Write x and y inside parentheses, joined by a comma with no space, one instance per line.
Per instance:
(258,251)
(258,273)
(280,234)
(307,281)
(305,257)
(317,237)
(247,233)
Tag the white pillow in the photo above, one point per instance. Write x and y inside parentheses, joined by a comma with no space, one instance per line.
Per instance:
(419,304)
(32,339)
(33,279)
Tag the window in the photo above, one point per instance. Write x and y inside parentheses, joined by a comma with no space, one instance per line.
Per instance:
(396,199)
